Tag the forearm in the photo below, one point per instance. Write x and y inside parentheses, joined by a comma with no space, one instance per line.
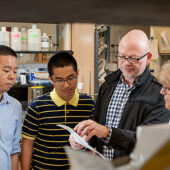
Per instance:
(26,153)
(14,161)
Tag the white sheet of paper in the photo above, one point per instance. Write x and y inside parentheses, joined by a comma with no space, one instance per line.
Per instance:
(80,140)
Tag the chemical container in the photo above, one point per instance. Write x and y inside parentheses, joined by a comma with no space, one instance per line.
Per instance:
(16,39)
(51,44)
(24,40)
(4,36)
(45,42)
(34,38)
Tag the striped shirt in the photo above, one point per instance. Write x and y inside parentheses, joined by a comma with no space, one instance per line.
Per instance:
(40,123)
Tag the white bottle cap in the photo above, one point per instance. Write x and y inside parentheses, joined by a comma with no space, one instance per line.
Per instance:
(3,28)
(34,26)
(23,29)
(44,34)
(15,28)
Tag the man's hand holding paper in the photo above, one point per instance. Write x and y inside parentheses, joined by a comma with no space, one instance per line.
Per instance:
(90,128)
(80,140)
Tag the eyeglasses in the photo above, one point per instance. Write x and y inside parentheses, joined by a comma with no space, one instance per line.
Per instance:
(69,80)
(130,59)
(166,90)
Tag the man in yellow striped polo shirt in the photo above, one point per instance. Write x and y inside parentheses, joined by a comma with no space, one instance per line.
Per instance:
(43,142)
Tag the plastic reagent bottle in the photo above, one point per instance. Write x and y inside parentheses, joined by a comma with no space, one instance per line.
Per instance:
(15,39)
(45,42)
(24,40)
(4,37)
(34,38)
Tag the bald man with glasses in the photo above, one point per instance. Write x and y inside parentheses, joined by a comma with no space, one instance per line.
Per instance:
(128,98)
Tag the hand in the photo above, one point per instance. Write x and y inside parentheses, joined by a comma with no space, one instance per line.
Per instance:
(91,128)
(74,144)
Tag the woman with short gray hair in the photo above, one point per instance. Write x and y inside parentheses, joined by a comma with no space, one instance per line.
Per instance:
(164,79)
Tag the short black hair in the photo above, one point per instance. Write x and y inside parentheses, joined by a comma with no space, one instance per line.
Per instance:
(61,59)
(5,50)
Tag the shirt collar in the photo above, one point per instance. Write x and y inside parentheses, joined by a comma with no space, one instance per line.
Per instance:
(59,101)
(135,82)
(5,98)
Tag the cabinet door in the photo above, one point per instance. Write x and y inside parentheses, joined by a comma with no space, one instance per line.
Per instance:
(83,51)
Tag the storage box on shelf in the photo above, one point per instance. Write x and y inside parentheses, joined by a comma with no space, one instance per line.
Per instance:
(160,47)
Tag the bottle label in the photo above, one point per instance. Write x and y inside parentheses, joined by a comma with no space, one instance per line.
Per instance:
(15,35)
(33,35)
(24,38)
(45,44)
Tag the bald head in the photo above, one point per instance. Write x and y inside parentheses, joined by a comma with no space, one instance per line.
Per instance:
(134,45)
(135,40)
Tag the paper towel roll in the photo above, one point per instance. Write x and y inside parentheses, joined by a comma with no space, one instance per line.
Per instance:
(66,33)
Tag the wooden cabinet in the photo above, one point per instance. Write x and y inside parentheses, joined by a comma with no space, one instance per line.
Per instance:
(83,51)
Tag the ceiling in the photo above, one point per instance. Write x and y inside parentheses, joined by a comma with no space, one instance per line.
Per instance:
(120,12)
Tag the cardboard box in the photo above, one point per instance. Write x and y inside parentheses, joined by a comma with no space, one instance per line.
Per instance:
(152,151)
